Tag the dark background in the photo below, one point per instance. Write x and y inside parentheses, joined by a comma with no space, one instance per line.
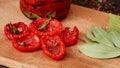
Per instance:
(109,6)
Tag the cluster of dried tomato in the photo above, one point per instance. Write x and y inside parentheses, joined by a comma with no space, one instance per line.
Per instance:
(45,8)
(46,33)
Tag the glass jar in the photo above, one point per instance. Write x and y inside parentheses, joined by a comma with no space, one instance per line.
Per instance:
(45,8)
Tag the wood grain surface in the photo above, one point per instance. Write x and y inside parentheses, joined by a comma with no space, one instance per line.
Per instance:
(78,16)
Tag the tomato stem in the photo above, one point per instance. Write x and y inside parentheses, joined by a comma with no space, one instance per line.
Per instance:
(13,29)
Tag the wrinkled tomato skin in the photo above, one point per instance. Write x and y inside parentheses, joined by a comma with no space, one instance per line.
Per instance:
(21,25)
(55,52)
(70,36)
(32,44)
(53,28)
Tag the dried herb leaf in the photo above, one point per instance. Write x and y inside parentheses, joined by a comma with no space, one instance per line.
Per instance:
(103,44)
(31,15)
(115,37)
(90,36)
(102,36)
(114,23)
(51,14)
(45,24)
(101,51)
(99,36)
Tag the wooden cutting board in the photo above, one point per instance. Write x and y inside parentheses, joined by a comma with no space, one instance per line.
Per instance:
(78,16)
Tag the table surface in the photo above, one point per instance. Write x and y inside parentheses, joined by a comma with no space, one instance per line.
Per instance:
(78,16)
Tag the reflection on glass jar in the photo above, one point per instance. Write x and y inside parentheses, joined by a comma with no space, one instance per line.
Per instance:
(45,8)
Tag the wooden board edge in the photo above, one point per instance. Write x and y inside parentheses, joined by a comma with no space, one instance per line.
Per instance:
(14,64)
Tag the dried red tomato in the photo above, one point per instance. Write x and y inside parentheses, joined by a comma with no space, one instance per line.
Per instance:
(15,30)
(53,7)
(43,7)
(45,26)
(53,47)
(70,36)
(26,43)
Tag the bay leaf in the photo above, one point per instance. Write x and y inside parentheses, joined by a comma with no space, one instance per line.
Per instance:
(90,36)
(114,23)
(99,35)
(101,43)
(100,51)
(98,31)
(115,37)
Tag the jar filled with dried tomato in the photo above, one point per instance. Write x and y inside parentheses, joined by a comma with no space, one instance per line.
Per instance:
(33,9)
